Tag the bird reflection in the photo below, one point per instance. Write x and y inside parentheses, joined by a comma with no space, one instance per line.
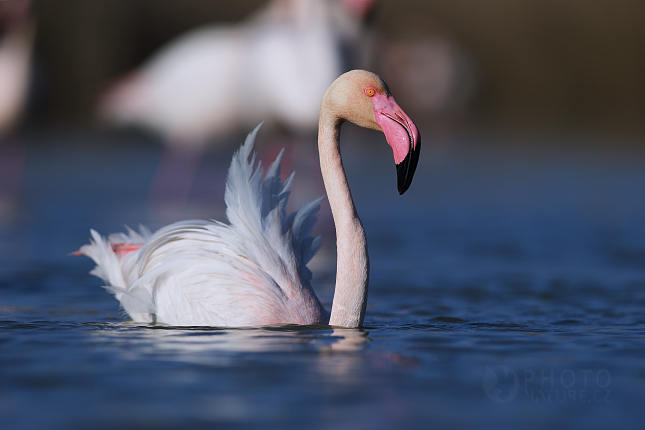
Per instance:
(206,345)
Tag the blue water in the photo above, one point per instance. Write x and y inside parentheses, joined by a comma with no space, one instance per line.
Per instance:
(507,289)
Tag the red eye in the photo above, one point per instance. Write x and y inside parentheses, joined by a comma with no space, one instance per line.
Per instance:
(370,92)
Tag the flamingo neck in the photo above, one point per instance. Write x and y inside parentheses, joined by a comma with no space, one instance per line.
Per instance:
(352,266)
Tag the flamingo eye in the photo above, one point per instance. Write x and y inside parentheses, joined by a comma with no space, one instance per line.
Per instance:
(370,92)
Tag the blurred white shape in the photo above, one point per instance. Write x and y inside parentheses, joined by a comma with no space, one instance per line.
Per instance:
(215,80)
(15,61)
(16,39)
(221,79)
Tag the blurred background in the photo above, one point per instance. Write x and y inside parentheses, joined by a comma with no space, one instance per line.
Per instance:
(533,65)
(148,98)
(140,103)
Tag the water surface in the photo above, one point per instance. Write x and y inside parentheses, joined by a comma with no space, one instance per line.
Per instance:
(507,289)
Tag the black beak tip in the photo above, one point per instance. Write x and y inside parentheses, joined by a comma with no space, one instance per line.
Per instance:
(402,187)
(406,168)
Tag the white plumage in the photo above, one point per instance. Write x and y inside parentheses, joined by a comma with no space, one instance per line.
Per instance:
(253,271)
(219,79)
(15,64)
(16,40)
(254,267)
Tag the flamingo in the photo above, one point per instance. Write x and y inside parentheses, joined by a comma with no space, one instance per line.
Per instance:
(16,42)
(215,80)
(252,271)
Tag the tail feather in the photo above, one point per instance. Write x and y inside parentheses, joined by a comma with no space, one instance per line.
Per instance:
(107,263)
(277,244)
(243,191)
(305,246)
(131,236)
(258,207)
(108,268)
(273,190)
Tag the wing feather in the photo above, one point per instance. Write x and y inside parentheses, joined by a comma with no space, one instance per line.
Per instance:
(249,272)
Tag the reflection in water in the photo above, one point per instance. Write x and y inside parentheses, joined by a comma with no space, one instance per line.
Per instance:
(349,339)
(337,359)
(218,346)
(338,351)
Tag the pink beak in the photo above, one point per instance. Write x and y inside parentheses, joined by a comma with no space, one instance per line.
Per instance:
(401,134)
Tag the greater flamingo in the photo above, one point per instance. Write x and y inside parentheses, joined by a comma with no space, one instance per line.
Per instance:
(16,39)
(216,80)
(252,272)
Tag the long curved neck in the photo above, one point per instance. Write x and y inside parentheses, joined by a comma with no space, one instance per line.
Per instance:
(352,266)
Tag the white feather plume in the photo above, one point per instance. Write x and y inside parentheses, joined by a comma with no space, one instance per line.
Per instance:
(248,272)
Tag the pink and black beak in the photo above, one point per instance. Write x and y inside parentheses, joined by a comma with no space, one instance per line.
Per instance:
(402,135)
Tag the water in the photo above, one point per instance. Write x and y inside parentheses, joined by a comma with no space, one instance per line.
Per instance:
(507,289)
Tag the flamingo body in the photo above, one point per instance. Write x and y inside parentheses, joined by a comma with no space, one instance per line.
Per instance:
(216,80)
(252,271)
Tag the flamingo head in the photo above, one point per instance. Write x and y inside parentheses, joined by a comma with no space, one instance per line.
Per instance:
(364,99)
